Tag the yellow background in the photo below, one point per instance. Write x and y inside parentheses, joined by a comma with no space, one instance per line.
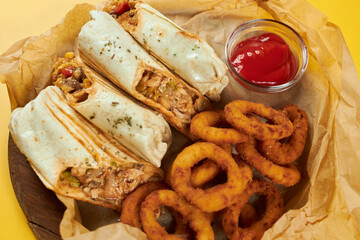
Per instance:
(23,18)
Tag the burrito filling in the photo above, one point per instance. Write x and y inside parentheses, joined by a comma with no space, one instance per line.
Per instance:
(117,8)
(173,95)
(124,13)
(107,184)
(70,78)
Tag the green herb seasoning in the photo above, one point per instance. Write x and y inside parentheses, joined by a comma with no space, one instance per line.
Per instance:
(121,120)
(107,44)
(128,120)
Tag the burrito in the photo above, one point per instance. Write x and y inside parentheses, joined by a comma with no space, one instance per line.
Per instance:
(106,47)
(141,130)
(72,157)
(184,52)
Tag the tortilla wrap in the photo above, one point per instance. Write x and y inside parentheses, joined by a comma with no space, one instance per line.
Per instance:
(141,130)
(74,158)
(186,53)
(109,49)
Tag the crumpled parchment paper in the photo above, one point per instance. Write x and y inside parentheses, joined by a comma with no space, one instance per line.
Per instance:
(326,203)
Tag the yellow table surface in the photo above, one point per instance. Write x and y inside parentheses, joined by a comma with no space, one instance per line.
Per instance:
(23,18)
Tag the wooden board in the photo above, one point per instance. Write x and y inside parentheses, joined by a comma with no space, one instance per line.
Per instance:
(41,207)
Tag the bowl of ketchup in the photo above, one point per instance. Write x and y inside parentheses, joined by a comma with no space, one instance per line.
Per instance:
(266,56)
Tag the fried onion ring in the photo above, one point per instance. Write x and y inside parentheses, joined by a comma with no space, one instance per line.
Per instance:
(203,126)
(285,153)
(219,196)
(130,213)
(236,114)
(194,216)
(274,210)
(248,216)
(287,175)
(207,170)
(181,226)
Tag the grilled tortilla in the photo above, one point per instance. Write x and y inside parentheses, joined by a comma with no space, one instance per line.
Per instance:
(109,49)
(74,158)
(186,53)
(143,131)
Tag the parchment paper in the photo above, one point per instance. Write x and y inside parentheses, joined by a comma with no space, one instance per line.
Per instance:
(326,203)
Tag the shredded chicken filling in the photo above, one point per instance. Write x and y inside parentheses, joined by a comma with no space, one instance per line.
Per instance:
(172,95)
(109,184)
(70,78)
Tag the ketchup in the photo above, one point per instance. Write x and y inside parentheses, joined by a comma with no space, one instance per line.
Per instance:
(264,60)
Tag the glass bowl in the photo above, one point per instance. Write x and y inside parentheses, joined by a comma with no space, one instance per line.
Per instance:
(259,27)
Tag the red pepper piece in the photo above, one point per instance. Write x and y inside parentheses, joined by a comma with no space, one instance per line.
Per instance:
(67,72)
(121,8)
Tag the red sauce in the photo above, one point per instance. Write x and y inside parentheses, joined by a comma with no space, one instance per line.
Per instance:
(264,60)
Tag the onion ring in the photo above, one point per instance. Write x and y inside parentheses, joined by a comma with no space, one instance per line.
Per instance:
(207,170)
(194,216)
(285,153)
(203,126)
(274,210)
(248,216)
(287,175)
(181,226)
(219,196)
(236,114)
(130,213)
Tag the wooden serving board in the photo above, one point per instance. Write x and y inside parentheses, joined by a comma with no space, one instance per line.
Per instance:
(41,207)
